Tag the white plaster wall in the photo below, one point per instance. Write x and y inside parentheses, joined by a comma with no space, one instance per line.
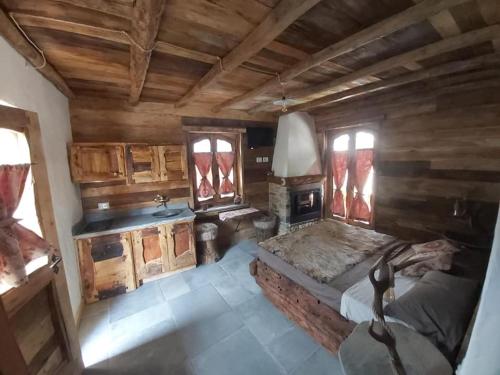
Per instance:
(296,149)
(482,354)
(23,87)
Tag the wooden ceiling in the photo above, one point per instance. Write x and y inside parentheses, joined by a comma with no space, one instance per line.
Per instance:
(233,54)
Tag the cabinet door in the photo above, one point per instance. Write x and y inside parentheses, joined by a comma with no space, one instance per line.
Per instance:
(173,163)
(96,163)
(150,253)
(106,266)
(181,245)
(142,163)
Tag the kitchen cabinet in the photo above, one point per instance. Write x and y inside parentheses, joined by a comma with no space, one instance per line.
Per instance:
(118,263)
(150,252)
(97,162)
(106,266)
(142,163)
(173,162)
(181,245)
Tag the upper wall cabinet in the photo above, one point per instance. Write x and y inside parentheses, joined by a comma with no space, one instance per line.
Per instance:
(135,163)
(142,163)
(97,162)
(173,162)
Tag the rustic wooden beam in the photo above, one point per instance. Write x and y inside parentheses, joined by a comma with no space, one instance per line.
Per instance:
(410,16)
(282,16)
(146,18)
(443,69)
(446,45)
(114,8)
(117,36)
(17,40)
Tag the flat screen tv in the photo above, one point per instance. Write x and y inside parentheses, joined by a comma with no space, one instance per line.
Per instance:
(260,137)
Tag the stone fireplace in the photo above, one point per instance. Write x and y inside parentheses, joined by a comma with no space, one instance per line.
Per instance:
(295,205)
(296,189)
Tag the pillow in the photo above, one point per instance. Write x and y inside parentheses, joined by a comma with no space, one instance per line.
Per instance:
(439,307)
(441,252)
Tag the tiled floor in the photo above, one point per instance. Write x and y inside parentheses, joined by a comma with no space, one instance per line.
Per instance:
(212,320)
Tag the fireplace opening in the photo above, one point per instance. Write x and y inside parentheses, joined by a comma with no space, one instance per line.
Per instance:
(305,205)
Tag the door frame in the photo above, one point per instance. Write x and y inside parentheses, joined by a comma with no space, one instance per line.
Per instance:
(27,122)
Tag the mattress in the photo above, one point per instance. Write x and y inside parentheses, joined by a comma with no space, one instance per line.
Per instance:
(326,250)
(293,254)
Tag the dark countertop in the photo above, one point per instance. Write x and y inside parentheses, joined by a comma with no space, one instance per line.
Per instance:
(129,223)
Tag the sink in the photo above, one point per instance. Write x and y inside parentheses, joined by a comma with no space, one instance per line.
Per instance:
(169,212)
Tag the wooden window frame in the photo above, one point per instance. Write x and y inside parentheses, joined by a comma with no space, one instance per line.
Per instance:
(351,159)
(235,139)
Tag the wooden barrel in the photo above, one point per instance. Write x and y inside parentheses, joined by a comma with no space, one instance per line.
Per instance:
(265,226)
(206,243)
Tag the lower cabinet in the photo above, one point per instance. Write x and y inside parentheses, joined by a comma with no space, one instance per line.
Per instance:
(106,266)
(118,263)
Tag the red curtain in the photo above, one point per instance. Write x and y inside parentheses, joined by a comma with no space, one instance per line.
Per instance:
(225,160)
(203,161)
(364,162)
(339,168)
(18,245)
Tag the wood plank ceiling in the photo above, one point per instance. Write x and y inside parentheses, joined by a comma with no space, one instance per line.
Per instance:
(233,54)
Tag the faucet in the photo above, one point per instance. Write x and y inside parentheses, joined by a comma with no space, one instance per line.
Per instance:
(162,200)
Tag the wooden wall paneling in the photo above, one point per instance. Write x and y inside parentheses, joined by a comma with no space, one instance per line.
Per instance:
(426,161)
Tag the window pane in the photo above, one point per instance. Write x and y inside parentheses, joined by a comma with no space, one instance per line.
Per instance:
(223,146)
(202,146)
(364,140)
(341,143)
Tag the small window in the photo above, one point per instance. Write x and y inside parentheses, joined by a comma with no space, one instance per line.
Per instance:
(215,162)
(352,176)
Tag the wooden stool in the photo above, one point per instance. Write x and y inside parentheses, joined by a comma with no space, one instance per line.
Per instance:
(360,354)
(206,241)
(264,226)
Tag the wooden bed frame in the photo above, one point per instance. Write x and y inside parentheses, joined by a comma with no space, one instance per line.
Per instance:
(322,322)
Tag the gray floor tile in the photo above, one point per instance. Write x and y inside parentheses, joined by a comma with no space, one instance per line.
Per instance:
(198,305)
(292,348)
(163,353)
(203,275)
(232,291)
(96,308)
(239,354)
(201,335)
(249,246)
(95,338)
(239,269)
(146,296)
(174,286)
(321,362)
(263,319)
(235,252)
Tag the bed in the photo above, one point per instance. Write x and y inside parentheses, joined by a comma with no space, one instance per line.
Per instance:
(317,277)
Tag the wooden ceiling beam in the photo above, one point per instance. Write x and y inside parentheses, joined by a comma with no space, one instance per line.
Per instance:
(17,40)
(117,36)
(446,45)
(408,17)
(146,18)
(114,8)
(440,70)
(282,16)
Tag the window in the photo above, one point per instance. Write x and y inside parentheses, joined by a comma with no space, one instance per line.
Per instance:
(351,176)
(215,161)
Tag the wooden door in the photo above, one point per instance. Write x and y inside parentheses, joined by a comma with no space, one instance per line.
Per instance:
(37,330)
(173,162)
(142,163)
(106,266)
(181,245)
(97,162)
(150,253)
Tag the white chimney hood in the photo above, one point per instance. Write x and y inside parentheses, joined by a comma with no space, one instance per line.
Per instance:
(296,150)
